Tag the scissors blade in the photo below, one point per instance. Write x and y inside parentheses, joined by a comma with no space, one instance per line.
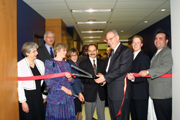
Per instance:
(75,95)
(81,70)
(80,75)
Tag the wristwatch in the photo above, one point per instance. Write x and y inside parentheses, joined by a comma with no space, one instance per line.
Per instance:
(147,72)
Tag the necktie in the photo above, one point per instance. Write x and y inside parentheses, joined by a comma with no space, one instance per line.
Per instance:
(51,52)
(112,53)
(95,67)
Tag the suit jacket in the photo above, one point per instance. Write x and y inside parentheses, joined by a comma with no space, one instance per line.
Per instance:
(43,53)
(120,65)
(140,86)
(90,86)
(161,88)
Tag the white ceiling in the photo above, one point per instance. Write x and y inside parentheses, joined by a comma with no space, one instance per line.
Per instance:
(126,15)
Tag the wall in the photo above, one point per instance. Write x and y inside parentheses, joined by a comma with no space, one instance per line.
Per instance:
(175,26)
(8,67)
(28,23)
(149,33)
(59,28)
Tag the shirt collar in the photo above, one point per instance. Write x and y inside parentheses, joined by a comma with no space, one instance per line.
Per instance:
(116,47)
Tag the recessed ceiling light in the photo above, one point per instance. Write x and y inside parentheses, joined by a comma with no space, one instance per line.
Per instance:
(123,40)
(91,40)
(93,10)
(163,10)
(122,31)
(145,21)
(91,31)
(93,37)
(91,22)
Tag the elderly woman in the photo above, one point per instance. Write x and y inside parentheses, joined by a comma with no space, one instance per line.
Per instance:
(60,102)
(72,54)
(29,92)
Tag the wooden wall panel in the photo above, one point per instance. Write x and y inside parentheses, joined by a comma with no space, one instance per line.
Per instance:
(8,62)
(59,28)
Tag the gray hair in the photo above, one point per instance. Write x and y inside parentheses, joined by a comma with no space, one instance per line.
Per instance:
(27,47)
(59,46)
(47,33)
(114,32)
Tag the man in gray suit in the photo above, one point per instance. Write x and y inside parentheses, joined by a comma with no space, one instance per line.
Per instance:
(161,88)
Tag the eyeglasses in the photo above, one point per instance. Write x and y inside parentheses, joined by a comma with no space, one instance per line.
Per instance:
(50,37)
(110,38)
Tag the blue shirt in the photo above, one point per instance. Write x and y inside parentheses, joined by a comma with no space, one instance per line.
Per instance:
(48,49)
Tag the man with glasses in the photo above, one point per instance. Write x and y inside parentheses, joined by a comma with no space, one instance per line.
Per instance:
(46,51)
(119,64)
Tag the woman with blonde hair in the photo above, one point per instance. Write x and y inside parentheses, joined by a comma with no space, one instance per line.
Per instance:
(60,102)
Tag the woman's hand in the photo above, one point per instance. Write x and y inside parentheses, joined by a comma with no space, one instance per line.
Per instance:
(25,107)
(81,97)
(66,90)
(68,76)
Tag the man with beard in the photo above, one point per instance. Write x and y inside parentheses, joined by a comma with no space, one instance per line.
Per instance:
(84,54)
(94,93)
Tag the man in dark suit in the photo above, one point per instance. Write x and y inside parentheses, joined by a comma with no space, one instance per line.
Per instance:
(94,93)
(118,66)
(46,51)
(160,88)
(140,87)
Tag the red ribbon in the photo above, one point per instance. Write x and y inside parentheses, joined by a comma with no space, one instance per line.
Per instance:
(125,86)
(40,77)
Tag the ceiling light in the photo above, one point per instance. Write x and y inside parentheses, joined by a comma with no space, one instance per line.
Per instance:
(122,31)
(91,40)
(91,22)
(163,10)
(91,31)
(123,40)
(93,10)
(93,37)
(146,21)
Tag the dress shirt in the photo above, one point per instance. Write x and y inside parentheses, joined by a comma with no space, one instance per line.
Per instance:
(92,62)
(158,51)
(48,49)
(134,57)
(110,57)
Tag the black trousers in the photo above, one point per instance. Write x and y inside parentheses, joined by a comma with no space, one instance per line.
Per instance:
(163,108)
(138,109)
(114,107)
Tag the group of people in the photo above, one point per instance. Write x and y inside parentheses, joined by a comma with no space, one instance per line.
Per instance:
(66,93)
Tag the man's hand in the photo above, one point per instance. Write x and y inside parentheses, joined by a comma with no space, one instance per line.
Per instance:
(130,76)
(143,73)
(102,84)
(101,78)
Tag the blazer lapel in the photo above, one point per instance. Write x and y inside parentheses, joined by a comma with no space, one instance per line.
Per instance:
(46,52)
(90,67)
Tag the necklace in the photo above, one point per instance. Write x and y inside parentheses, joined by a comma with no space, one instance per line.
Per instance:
(31,63)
